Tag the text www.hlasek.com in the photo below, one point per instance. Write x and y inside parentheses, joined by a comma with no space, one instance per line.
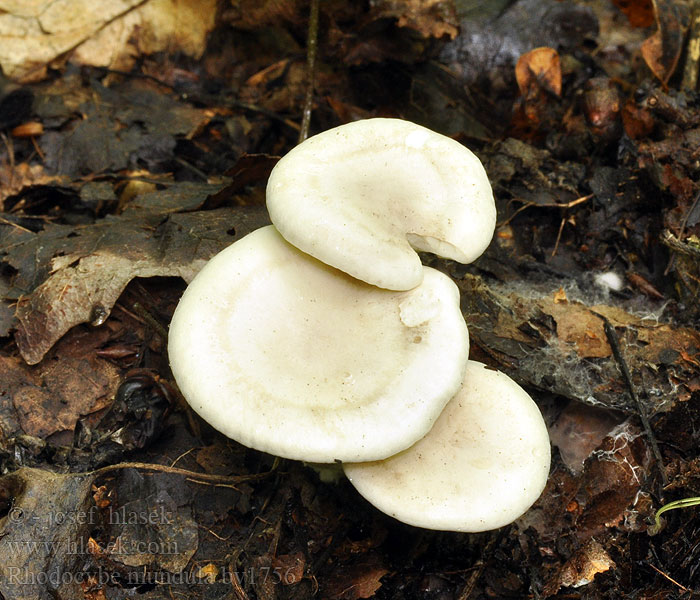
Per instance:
(132,547)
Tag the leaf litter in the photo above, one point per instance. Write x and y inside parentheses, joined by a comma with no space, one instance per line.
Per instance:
(131,181)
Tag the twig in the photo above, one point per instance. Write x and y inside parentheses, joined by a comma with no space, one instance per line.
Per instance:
(12,224)
(624,369)
(9,146)
(198,172)
(150,320)
(681,231)
(200,477)
(561,229)
(668,239)
(311,50)
(530,204)
(480,565)
(690,72)
(660,572)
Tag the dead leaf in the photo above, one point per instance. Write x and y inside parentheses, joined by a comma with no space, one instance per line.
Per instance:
(431,18)
(28,129)
(638,122)
(537,342)
(209,572)
(640,13)
(662,50)
(15,178)
(579,430)
(52,396)
(152,524)
(577,325)
(289,567)
(643,285)
(113,35)
(585,565)
(353,582)
(87,268)
(251,14)
(249,169)
(560,296)
(539,69)
(45,532)
(125,126)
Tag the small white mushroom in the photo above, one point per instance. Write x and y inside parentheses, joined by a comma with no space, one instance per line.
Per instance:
(481,466)
(292,357)
(362,196)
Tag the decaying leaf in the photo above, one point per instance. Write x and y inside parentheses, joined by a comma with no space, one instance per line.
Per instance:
(579,430)
(125,126)
(662,50)
(74,275)
(431,18)
(44,534)
(585,565)
(15,178)
(52,396)
(539,69)
(152,525)
(640,13)
(110,35)
(563,347)
(357,581)
(249,14)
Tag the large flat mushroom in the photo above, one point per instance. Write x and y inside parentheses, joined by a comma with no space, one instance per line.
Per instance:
(364,196)
(292,357)
(481,466)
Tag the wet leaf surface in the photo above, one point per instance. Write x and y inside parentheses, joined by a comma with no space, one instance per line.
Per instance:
(86,269)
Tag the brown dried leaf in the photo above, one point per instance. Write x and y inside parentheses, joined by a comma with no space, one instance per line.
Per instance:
(578,431)
(360,580)
(538,342)
(15,178)
(50,397)
(637,122)
(149,508)
(577,325)
(539,69)
(251,14)
(289,567)
(249,169)
(662,50)
(640,13)
(76,275)
(112,35)
(430,18)
(585,565)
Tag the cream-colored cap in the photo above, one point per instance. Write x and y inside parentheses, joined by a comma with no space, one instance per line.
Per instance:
(361,197)
(292,357)
(481,466)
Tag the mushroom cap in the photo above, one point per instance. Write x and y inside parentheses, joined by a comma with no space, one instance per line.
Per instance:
(481,466)
(362,196)
(292,357)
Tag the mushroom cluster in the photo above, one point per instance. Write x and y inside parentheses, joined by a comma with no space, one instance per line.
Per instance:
(322,337)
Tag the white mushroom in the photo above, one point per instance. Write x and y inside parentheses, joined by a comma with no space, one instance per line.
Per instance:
(481,466)
(292,357)
(357,197)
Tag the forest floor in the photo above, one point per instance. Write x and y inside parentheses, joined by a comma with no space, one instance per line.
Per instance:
(118,182)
